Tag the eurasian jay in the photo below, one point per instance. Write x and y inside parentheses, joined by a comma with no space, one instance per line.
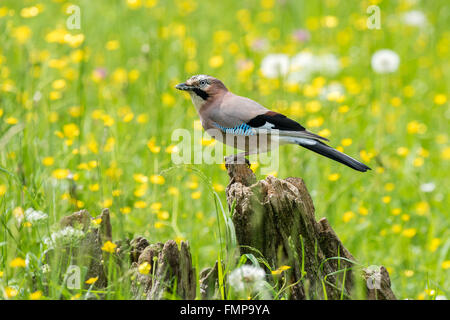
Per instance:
(224,115)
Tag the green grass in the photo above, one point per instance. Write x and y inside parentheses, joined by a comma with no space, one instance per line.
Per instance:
(99,129)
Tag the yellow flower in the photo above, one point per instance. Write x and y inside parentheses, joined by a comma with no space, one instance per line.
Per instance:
(108,246)
(313,106)
(138,177)
(75,297)
(112,45)
(133,75)
(171,149)
(409,273)
(75,111)
(120,75)
(396,102)
(10,292)
(216,61)
(173,191)
(2,190)
(59,84)
(158,225)
(363,211)
(446,264)
(94,187)
(218,187)
(125,210)
(48,161)
(18,263)
(29,12)
(440,99)
(402,151)
(330,21)
(343,109)
(144,267)
(434,244)
(156,206)
(140,204)
(18,213)
(409,233)
(157,179)
(152,146)
(134,4)
(142,118)
(416,127)
(60,173)
(168,99)
(106,203)
(418,162)
(11,120)
(97,222)
(196,195)
(163,215)
(324,133)
(192,184)
(446,153)
(21,34)
(386,199)
(334,176)
(422,208)
(396,228)
(280,270)
(346,142)
(315,122)
(36,295)
(389,186)
(71,130)
(94,280)
(396,211)
(348,216)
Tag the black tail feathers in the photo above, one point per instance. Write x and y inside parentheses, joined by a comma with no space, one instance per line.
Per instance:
(327,151)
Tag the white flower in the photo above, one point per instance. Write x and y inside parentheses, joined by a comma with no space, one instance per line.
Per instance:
(427,187)
(305,64)
(64,237)
(248,279)
(275,65)
(327,64)
(385,61)
(35,216)
(332,90)
(45,268)
(414,18)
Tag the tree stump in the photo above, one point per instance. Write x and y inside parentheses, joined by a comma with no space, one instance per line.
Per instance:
(88,253)
(171,275)
(277,218)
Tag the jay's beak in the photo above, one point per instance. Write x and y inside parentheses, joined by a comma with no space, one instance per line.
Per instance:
(184,86)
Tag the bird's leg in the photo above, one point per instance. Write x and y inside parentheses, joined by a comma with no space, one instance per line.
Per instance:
(237,159)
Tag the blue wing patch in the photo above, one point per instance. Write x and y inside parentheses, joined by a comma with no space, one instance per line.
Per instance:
(242,130)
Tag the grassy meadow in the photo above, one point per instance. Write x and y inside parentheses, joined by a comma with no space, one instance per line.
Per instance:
(87,114)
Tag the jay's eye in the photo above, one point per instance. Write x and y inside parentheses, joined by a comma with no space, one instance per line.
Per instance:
(203,83)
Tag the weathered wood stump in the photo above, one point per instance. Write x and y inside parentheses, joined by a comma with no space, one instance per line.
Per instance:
(172,274)
(170,271)
(88,253)
(277,218)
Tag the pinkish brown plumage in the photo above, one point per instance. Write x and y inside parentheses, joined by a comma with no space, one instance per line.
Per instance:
(225,115)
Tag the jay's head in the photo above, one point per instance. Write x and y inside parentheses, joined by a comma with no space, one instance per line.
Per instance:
(203,87)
